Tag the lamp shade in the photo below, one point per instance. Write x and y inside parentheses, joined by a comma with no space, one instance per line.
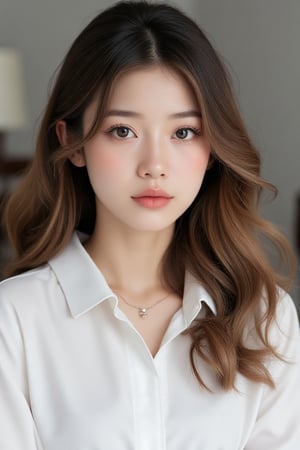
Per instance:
(12,91)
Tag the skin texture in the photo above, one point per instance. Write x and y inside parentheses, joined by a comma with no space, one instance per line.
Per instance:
(157,143)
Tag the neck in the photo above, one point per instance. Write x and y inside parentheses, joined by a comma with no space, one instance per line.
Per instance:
(130,261)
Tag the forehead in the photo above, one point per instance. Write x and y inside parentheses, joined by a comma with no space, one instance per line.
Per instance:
(151,85)
(153,92)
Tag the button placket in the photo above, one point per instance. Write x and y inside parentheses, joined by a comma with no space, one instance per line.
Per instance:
(145,392)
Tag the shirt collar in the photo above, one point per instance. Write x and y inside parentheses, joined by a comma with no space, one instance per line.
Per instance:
(193,296)
(84,286)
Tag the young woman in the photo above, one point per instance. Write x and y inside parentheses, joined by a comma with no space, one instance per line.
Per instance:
(141,310)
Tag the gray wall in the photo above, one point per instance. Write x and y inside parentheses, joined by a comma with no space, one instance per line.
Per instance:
(259,41)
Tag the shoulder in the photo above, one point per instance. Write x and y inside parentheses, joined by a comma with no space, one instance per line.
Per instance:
(286,317)
(25,279)
(276,424)
(285,329)
(29,302)
(281,328)
(28,286)
(283,332)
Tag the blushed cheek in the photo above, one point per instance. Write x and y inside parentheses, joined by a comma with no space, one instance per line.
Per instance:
(195,170)
(197,165)
(105,164)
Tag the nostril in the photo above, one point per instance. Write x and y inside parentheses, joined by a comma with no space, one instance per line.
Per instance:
(155,172)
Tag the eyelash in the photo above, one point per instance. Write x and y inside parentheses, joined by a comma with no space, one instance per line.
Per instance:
(196,131)
(117,127)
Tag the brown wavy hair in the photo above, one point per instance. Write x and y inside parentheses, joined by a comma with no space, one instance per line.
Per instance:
(220,239)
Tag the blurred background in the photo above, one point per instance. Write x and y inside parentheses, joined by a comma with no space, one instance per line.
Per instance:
(259,43)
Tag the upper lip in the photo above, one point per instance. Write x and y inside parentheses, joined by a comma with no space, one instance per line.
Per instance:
(153,193)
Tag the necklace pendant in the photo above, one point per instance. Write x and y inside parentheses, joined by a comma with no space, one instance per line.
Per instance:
(143,313)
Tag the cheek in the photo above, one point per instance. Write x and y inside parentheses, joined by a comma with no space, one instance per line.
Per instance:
(110,163)
(196,165)
(193,171)
(202,158)
(102,162)
(195,160)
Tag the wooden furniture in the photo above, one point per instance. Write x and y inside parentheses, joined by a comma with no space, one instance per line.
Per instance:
(9,169)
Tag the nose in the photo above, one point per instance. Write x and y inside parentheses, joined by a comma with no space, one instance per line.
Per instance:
(153,163)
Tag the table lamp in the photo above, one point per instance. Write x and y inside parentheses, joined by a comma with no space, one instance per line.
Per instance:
(12,94)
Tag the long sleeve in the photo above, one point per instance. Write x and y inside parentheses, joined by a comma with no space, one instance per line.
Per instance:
(277,426)
(17,428)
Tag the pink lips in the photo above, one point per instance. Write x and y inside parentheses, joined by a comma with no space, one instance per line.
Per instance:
(152,198)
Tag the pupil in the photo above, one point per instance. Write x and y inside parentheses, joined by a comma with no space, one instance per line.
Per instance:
(122,132)
(182,133)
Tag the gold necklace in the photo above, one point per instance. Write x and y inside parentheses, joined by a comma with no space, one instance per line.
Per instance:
(143,311)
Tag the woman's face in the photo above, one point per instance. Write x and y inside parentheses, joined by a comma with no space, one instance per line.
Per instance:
(147,161)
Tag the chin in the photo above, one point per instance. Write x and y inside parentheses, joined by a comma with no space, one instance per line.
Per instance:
(152,227)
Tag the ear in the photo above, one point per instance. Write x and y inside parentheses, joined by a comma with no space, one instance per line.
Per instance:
(77,157)
(211,162)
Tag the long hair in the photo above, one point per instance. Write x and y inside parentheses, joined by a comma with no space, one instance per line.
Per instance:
(219,239)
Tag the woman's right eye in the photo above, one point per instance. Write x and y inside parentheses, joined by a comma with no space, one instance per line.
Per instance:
(121,132)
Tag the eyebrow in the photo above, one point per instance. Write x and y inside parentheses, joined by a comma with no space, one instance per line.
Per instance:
(125,113)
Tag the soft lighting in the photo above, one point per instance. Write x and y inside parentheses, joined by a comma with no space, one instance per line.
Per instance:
(12,91)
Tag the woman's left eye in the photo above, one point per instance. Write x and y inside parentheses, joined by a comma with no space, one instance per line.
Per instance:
(186,133)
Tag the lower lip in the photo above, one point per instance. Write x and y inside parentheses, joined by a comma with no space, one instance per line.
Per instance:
(152,202)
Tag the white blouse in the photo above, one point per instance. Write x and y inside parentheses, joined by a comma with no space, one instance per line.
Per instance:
(76,375)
